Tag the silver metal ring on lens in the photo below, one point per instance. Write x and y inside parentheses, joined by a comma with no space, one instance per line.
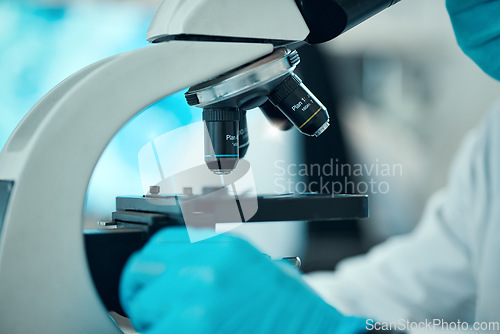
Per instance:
(278,64)
(322,129)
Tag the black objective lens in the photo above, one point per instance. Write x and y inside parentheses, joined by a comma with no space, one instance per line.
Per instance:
(244,141)
(221,139)
(300,106)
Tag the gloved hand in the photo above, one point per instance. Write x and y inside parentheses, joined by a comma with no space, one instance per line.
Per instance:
(477,27)
(221,285)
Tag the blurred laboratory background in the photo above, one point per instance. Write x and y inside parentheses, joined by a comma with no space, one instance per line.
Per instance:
(398,88)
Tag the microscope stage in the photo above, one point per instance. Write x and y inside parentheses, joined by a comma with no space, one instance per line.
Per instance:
(153,210)
(137,218)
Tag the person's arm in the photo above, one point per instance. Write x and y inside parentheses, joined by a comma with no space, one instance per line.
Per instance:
(428,273)
(221,285)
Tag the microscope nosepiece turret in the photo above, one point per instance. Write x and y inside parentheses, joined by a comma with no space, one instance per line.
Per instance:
(268,83)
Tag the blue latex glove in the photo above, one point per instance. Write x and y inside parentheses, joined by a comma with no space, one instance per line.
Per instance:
(477,27)
(221,285)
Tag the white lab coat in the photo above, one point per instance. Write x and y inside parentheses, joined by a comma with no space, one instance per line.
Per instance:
(449,266)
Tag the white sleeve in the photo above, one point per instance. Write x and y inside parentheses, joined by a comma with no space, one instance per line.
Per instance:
(427,274)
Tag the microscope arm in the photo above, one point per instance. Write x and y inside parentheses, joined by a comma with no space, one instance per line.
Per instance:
(283,22)
(49,160)
(328,19)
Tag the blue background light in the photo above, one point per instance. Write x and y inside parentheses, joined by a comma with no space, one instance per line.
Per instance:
(41,45)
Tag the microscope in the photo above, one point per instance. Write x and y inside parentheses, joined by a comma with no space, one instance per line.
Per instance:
(234,56)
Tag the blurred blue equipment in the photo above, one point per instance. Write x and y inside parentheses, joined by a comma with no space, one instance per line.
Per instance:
(477,27)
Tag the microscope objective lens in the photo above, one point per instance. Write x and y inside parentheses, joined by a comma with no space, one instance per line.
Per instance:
(300,106)
(222,126)
(244,140)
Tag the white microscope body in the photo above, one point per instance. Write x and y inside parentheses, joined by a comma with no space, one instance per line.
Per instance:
(45,167)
